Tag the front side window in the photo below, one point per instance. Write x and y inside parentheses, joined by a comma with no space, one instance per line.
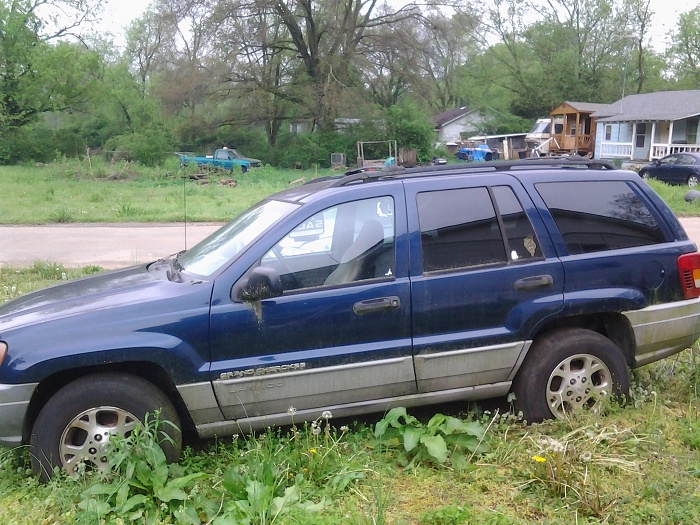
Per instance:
(343,244)
(596,216)
(460,228)
(220,248)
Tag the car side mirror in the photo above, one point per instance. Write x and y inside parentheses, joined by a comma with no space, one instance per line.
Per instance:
(262,283)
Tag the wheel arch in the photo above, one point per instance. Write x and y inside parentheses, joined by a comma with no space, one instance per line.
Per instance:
(149,371)
(612,325)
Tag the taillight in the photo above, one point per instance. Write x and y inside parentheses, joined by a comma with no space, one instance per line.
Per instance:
(689,271)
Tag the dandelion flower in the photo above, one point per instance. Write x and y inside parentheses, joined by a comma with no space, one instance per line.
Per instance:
(312,451)
(539,459)
(326,414)
(291,411)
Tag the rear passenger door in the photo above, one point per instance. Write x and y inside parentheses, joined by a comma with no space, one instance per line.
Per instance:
(483,275)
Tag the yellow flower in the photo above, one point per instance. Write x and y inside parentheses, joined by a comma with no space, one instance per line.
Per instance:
(313,451)
(539,459)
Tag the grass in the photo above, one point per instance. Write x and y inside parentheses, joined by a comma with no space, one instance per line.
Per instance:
(82,191)
(634,465)
(74,191)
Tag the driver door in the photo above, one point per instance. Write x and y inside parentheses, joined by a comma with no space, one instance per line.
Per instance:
(340,332)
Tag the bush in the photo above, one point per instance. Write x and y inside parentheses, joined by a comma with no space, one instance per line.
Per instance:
(150,146)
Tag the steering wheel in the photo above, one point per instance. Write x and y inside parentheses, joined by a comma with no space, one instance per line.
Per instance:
(287,271)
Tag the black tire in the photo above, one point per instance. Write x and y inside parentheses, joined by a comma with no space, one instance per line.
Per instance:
(244,168)
(589,365)
(644,174)
(75,425)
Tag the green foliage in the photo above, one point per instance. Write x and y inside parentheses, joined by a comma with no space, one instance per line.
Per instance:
(17,281)
(443,440)
(412,129)
(454,515)
(140,486)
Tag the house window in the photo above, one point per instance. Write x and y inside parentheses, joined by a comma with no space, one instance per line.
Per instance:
(608,132)
(641,135)
(692,134)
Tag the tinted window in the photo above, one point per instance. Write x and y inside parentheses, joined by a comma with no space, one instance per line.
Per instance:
(522,242)
(458,229)
(688,160)
(600,215)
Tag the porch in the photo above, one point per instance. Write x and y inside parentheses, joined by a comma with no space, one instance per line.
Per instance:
(623,150)
(650,140)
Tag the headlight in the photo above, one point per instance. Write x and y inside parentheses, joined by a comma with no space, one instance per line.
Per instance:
(3,351)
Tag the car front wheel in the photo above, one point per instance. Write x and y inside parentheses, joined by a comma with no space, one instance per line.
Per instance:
(73,429)
(566,370)
(693,180)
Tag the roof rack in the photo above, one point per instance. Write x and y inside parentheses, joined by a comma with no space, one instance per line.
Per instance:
(389,172)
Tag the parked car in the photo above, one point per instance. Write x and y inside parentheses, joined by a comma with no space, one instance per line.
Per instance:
(225,158)
(677,168)
(354,293)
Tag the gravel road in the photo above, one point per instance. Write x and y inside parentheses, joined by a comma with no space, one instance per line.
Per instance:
(119,245)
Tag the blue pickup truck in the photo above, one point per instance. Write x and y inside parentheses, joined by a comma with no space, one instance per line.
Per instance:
(225,158)
(546,278)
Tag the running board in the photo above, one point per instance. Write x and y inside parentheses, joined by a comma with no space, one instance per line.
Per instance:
(248,424)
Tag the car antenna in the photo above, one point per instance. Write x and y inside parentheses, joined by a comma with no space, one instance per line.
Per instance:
(184,199)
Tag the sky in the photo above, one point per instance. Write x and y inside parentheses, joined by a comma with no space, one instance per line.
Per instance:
(119,13)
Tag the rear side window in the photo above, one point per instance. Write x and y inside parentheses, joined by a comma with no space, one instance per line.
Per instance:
(595,216)
(463,228)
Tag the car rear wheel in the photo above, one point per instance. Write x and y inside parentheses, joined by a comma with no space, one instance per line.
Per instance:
(566,370)
(693,180)
(73,429)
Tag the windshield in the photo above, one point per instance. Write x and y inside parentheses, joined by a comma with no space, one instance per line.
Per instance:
(222,246)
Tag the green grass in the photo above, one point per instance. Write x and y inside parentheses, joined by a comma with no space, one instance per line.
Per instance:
(634,465)
(82,191)
(73,191)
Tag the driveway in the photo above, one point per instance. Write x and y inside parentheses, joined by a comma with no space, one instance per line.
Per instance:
(119,245)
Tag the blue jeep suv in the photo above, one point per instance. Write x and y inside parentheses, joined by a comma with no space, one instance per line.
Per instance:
(549,279)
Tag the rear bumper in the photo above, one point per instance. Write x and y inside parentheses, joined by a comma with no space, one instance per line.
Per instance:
(664,329)
(14,402)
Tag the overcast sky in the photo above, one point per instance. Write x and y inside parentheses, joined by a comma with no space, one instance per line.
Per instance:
(118,14)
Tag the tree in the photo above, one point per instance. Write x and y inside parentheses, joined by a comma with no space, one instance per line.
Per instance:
(685,50)
(36,75)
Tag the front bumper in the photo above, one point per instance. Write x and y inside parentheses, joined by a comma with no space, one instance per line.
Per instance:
(14,402)
(664,329)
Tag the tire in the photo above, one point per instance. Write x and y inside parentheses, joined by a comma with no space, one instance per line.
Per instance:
(591,365)
(644,175)
(75,425)
(244,168)
(693,180)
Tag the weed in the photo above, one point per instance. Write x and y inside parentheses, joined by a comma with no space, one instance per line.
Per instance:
(140,485)
(61,216)
(571,467)
(443,438)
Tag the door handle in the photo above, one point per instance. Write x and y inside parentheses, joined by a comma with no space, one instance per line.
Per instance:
(376,305)
(533,283)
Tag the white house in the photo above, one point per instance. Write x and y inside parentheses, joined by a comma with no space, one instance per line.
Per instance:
(648,126)
(456,124)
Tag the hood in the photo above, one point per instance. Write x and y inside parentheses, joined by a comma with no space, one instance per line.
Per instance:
(92,293)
